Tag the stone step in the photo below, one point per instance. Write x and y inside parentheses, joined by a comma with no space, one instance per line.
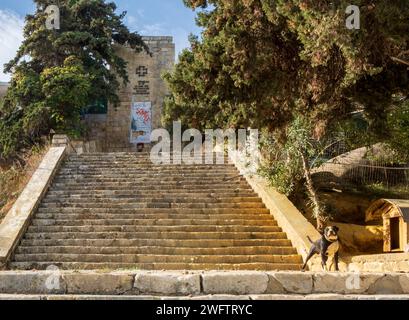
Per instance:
(158,161)
(154,222)
(135,154)
(142,156)
(148,199)
(154,266)
(169,228)
(152,188)
(86,168)
(149,258)
(134,183)
(143,164)
(155,162)
(155,235)
(88,212)
(249,250)
(141,205)
(137,158)
(186,243)
(146,171)
(221,176)
(100,194)
(151,180)
(138,155)
(139,170)
(148,176)
(147,216)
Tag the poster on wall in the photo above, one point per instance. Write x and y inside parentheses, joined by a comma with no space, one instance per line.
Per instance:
(141,122)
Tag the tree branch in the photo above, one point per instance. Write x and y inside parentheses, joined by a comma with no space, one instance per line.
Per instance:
(400,61)
(403,53)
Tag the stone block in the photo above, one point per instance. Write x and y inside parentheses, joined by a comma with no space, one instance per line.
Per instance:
(24,297)
(98,283)
(402,266)
(274,286)
(404,282)
(239,283)
(295,282)
(275,297)
(28,282)
(343,283)
(388,284)
(167,283)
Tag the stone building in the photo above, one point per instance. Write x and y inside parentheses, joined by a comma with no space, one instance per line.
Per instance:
(141,100)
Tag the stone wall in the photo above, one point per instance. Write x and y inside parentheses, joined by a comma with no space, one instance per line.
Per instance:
(97,129)
(390,262)
(19,217)
(289,218)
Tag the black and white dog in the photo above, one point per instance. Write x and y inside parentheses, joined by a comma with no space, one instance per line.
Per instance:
(326,246)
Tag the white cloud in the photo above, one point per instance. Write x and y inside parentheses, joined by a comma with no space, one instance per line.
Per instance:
(131,20)
(11,36)
(156,29)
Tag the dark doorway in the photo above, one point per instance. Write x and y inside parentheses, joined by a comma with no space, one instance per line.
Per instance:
(395,234)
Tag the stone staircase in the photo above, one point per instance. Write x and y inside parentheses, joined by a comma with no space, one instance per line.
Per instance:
(119,211)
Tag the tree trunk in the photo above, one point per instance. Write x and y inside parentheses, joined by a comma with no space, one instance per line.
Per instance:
(317,209)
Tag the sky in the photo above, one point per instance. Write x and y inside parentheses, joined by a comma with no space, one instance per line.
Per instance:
(147,17)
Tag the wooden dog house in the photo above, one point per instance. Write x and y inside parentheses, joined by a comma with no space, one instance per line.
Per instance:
(395,216)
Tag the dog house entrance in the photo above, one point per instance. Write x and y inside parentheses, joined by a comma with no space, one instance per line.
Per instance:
(395,234)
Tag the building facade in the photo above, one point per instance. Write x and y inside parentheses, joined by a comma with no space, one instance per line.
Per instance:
(139,112)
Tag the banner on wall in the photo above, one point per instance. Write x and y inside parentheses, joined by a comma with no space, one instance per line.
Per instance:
(141,122)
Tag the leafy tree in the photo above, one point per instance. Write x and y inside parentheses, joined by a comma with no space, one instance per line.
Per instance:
(291,163)
(57,72)
(267,63)
(398,123)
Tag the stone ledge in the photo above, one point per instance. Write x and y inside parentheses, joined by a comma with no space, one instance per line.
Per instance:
(196,284)
(279,297)
(158,38)
(18,218)
(388,262)
(385,257)
(293,223)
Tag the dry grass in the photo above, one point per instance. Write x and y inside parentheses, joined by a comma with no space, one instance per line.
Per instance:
(13,178)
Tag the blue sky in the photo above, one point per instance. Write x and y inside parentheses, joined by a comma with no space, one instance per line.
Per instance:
(148,17)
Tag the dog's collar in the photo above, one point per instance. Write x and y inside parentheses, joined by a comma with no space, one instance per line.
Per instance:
(332,241)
